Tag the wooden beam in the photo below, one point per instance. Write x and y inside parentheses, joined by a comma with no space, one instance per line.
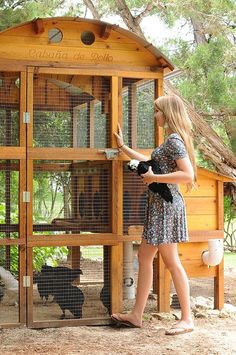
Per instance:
(12,153)
(67,153)
(106,31)
(72,239)
(38,26)
(116,277)
(129,72)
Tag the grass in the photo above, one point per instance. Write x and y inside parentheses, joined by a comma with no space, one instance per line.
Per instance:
(92,252)
(230,259)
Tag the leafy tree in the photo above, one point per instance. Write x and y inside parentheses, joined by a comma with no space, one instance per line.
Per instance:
(13,12)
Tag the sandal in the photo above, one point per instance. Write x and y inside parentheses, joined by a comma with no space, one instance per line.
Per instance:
(123,323)
(178,330)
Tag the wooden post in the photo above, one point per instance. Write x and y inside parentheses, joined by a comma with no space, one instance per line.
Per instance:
(29,187)
(22,205)
(117,202)
(219,278)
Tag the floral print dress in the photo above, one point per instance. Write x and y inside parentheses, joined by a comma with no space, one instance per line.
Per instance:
(166,222)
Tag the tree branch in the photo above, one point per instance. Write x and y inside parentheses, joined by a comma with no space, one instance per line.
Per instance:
(145,12)
(89,4)
(128,18)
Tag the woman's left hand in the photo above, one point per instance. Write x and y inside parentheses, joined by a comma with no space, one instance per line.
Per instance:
(148,177)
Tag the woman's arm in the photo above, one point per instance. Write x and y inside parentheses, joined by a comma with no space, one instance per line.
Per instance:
(128,151)
(184,175)
(133,154)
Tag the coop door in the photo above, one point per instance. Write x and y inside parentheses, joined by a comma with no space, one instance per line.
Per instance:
(69,215)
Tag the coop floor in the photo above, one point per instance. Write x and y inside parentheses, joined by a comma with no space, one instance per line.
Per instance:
(93,307)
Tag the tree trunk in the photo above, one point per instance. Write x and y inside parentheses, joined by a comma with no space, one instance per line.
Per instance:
(128,18)
(198,31)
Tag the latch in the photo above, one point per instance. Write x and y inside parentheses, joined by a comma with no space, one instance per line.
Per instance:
(26,117)
(26,281)
(110,153)
(26,196)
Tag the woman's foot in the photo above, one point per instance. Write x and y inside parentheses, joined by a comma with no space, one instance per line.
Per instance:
(129,320)
(183,326)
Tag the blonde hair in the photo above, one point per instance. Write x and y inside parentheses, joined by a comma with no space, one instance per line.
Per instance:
(176,117)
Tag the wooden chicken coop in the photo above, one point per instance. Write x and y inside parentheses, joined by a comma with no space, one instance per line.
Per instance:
(67,200)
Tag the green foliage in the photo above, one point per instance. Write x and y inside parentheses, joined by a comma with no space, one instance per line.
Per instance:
(230,224)
(12,14)
(48,255)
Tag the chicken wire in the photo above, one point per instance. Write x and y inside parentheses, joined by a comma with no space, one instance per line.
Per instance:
(138,113)
(71,111)
(9,199)
(9,108)
(134,199)
(74,282)
(9,284)
(71,197)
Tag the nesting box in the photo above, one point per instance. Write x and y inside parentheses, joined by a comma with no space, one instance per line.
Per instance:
(67,199)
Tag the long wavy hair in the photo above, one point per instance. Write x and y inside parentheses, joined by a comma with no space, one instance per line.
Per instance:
(177,119)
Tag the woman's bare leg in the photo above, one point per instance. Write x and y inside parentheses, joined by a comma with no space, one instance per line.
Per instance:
(170,256)
(146,254)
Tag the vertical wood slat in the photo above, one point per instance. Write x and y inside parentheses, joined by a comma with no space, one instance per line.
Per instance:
(116,276)
(29,187)
(219,278)
(22,234)
(22,205)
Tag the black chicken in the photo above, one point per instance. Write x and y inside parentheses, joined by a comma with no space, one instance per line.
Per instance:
(52,278)
(141,167)
(71,298)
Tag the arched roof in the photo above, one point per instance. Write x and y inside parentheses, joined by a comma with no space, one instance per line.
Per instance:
(113,44)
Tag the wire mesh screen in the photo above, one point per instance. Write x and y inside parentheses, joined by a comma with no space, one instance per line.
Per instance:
(9,199)
(71,111)
(134,199)
(72,281)
(138,112)
(9,108)
(9,284)
(71,197)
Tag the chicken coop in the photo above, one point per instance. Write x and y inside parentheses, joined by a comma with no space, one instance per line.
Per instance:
(70,210)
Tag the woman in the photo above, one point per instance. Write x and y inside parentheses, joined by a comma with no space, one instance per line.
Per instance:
(165,222)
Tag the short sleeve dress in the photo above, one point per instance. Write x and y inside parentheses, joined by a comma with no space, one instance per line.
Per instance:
(166,222)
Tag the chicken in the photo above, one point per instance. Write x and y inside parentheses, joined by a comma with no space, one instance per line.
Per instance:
(11,286)
(141,167)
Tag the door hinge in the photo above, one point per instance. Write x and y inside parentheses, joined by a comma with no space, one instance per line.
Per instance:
(26,196)
(26,281)
(26,117)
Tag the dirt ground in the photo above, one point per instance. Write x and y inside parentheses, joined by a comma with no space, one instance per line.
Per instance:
(212,335)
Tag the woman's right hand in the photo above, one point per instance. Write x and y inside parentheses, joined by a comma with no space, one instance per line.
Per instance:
(119,137)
